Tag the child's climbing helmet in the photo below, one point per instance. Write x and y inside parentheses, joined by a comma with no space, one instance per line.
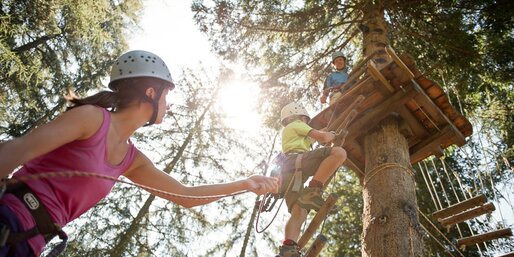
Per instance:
(292,109)
(139,63)
(337,54)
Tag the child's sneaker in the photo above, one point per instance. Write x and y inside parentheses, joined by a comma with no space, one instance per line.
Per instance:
(289,251)
(311,198)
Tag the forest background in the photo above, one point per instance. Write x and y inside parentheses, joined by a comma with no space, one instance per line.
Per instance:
(239,64)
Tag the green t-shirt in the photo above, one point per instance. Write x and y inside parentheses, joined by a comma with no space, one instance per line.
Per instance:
(294,137)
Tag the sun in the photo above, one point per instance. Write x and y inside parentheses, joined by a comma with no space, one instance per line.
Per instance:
(239,100)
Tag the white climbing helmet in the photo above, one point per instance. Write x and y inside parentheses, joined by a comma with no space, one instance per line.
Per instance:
(292,109)
(139,63)
(337,54)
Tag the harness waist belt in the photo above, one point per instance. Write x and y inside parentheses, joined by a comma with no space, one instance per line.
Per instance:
(44,223)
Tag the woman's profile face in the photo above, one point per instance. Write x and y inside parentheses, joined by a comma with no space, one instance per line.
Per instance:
(163,105)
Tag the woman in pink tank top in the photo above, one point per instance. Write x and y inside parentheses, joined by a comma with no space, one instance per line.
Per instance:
(89,138)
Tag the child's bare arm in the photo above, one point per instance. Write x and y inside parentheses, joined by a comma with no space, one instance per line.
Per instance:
(321,136)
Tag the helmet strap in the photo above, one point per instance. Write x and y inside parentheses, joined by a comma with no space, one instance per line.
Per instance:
(155,105)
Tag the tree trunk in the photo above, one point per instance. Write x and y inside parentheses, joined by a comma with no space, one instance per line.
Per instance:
(390,222)
(374,32)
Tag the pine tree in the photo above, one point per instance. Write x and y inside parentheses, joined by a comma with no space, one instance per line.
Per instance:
(50,47)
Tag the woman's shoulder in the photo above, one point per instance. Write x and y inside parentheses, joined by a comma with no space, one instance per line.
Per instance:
(89,116)
(88,111)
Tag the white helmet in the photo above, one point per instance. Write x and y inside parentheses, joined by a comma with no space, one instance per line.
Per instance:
(139,63)
(292,109)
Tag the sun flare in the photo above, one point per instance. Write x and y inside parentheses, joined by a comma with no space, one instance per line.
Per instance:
(238,100)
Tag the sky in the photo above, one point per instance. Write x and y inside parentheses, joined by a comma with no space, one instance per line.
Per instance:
(168,30)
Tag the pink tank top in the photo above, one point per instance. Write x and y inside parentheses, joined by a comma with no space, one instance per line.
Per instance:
(66,198)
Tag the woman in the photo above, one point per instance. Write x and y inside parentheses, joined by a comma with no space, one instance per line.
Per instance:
(89,138)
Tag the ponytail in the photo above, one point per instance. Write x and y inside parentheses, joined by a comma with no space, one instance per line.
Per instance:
(128,91)
(105,99)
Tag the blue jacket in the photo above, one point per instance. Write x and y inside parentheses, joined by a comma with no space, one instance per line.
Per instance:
(336,78)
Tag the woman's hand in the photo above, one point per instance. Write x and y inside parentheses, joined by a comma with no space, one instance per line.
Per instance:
(261,184)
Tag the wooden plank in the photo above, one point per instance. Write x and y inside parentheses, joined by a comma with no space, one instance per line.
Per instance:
(353,77)
(429,146)
(321,119)
(460,207)
(477,239)
(467,215)
(355,158)
(317,246)
(372,116)
(460,138)
(372,69)
(418,130)
(340,117)
(399,62)
(316,221)
(352,164)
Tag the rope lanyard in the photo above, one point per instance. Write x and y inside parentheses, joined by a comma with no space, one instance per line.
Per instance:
(261,205)
(294,185)
(69,174)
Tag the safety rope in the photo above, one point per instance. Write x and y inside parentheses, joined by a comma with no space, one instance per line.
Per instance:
(453,188)
(428,186)
(384,166)
(440,233)
(69,174)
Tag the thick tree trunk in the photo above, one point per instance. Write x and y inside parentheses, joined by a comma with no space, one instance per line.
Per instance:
(374,33)
(390,222)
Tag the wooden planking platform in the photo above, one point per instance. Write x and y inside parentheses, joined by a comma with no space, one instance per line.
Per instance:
(467,215)
(477,239)
(460,207)
(431,123)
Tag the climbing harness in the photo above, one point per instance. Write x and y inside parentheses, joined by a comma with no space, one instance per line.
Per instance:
(269,200)
(44,223)
(295,184)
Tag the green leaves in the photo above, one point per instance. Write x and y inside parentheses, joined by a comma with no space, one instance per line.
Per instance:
(50,47)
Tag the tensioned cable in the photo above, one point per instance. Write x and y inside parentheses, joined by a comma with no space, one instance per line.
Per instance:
(440,183)
(432,183)
(449,179)
(453,189)
(491,178)
(470,195)
(428,186)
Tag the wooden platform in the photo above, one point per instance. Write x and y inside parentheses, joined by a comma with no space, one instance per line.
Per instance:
(431,124)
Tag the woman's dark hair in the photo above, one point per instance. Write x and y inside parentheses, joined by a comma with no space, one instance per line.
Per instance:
(128,91)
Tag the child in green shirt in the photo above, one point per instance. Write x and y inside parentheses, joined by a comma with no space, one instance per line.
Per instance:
(320,164)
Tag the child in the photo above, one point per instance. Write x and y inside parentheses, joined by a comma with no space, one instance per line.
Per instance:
(297,140)
(89,137)
(336,79)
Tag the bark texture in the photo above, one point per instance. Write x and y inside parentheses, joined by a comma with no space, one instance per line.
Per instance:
(390,221)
